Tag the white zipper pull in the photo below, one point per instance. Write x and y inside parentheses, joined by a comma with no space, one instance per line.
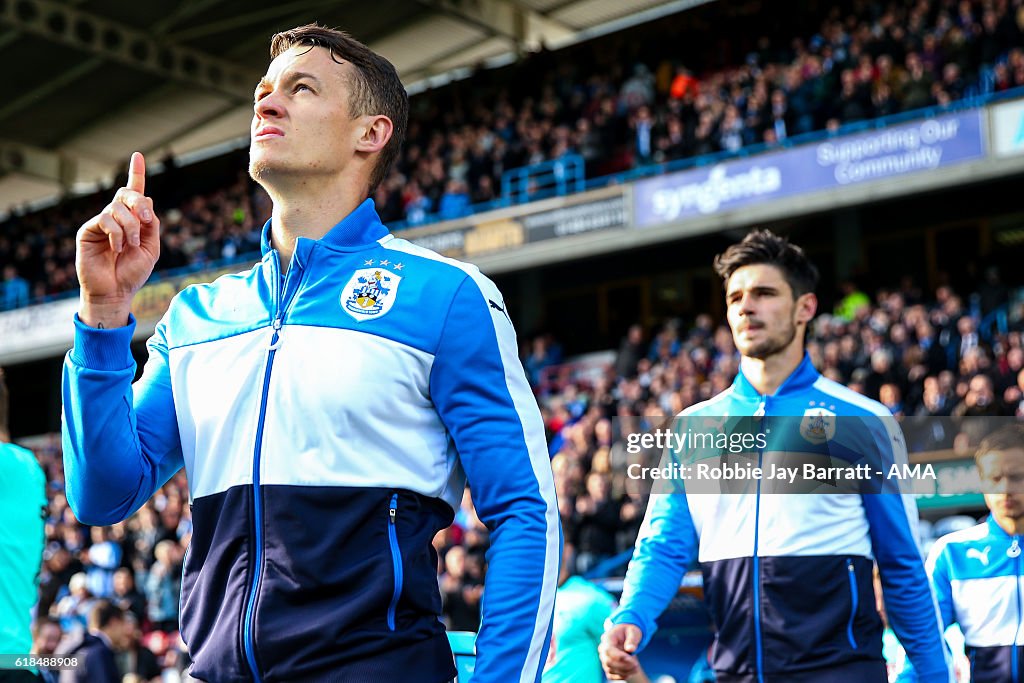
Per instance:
(1014,549)
(760,410)
(277,338)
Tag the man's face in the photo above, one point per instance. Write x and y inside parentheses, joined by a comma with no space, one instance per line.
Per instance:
(122,582)
(301,122)
(982,390)
(47,640)
(1002,481)
(762,312)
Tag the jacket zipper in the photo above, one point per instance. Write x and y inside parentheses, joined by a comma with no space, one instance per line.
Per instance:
(853,598)
(1014,552)
(249,627)
(396,560)
(762,411)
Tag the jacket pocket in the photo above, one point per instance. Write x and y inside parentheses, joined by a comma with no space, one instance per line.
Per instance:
(396,560)
(853,602)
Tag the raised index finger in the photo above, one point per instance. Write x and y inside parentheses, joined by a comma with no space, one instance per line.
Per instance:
(137,173)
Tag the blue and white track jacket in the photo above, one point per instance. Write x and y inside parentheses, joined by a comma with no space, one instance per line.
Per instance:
(977,575)
(328,419)
(788,577)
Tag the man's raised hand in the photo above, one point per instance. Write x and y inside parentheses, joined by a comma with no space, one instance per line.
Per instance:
(117,250)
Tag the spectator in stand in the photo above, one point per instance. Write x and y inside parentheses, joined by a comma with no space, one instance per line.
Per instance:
(96,649)
(598,520)
(46,638)
(461,598)
(541,356)
(1014,396)
(455,200)
(889,395)
(14,290)
(135,659)
(882,372)
(102,559)
(852,302)
(58,568)
(980,400)
(163,586)
(642,124)
(73,609)
(630,352)
(127,597)
(934,403)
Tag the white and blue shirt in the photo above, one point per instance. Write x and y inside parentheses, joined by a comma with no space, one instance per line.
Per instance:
(788,576)
(977,576)
(328,419)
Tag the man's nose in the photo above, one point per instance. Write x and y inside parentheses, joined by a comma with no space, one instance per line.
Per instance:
(268,107)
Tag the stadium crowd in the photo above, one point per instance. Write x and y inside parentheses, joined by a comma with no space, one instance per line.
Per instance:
(918,357)
(618,102)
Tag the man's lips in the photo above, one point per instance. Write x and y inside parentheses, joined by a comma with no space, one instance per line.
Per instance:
(268,132)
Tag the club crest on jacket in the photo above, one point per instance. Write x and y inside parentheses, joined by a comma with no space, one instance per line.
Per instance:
(818,425)
(370,293)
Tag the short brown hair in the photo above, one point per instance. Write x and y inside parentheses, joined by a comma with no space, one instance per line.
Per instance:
(103,612)
(764,246)
(1003,439)
(376,89)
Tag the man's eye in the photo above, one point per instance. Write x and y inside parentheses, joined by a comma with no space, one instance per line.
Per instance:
(302,86)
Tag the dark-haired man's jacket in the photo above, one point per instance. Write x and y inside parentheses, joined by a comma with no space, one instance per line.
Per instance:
(788,576)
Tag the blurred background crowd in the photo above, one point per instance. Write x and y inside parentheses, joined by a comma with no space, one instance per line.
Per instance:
(624,101)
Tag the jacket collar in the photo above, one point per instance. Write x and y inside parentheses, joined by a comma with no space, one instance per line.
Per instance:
(360,227)
(798,382)
(995,529)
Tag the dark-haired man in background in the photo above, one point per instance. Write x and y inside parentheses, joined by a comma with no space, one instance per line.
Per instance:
(328,406)
(787,578)
(95,649)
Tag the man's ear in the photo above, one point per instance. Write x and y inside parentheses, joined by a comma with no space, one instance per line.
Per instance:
(806,307)
(376,132)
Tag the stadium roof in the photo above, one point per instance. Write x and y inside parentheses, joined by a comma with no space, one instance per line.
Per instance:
(88,83)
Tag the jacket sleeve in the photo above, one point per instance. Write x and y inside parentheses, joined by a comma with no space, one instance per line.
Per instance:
(665,547)
(480,390)
(120,441)
(938,573)
(910,605)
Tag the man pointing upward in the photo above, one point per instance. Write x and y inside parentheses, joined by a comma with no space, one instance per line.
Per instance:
(328,406)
